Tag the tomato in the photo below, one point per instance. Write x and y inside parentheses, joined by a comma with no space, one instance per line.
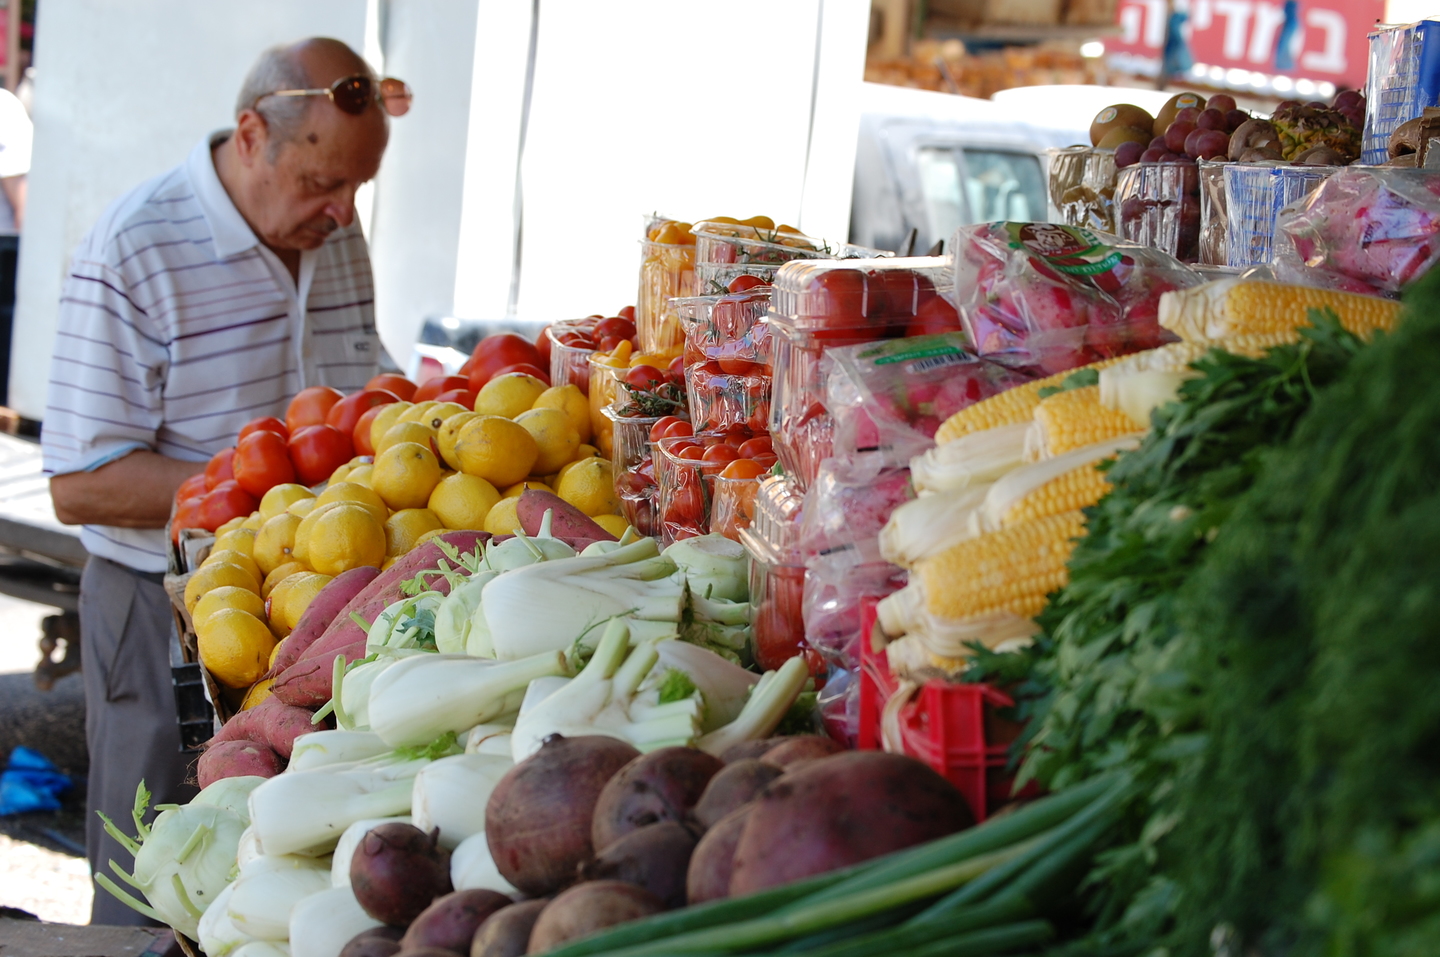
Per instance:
(192,487)
(317,451)
(529,369)
(542,346)
(262,462)
(310,406)
(267,424)
(463,396)
(766,459)
(732,363)
(187,515)
(686,507)
(759,445)
(627,313)
(494,353)
(615,327)
(222,503)
(397,385)
(688,453)
(344,414)
(743,469)
(220,468)
(778,635)
(610,343)
(668,427)
(644,378)
(430,388)
(733,439)
(576,340)
(934,317)
(675,372)
(360,435)
(744,282)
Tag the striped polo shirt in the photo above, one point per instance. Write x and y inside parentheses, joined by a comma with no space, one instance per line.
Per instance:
(177,326)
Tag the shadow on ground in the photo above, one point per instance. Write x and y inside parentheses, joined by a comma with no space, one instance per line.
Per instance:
(53,723)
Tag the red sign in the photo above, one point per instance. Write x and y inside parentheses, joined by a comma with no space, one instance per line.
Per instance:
(1330,42)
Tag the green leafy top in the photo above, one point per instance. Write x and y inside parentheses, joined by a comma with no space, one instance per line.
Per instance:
(1079,379)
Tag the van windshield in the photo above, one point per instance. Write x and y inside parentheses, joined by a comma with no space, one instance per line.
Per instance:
(964,186)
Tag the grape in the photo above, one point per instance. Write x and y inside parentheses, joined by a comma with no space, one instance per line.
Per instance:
(1223,102)
(1175,136)
(1210,120)
(1188,115)
(1128,154)
(1152,155)
(1234,118)
(1207,144)
(1158,143)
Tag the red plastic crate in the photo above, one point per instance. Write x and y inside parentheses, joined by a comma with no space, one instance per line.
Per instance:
(951,727)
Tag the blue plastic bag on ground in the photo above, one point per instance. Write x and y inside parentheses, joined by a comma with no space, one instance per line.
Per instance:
(31,783)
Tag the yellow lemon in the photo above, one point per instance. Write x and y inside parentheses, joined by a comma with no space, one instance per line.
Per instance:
(496,449)
(554,436)
(417,432)
(237,522)
(281,497)
(216,575)
(463,501)
(442,412)
(253,522)
(258,692)
(416,413)
(227,596)
(614,524)
(235,647)
(273,580)
(389,415)
(570,400)
(301,508)
(404,528)
(585,451)
(433,533)
(360,475)
(240,540)
(274,653)
(287,604)
(508,395)
(340,473)
(388,562)
(357,494)
(345,536)
(236,558)
(590,487)
(275,542)
(503,519)
(404,475)
(448,434)
(518,489)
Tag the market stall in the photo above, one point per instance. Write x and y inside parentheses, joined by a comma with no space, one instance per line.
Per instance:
(1070,588)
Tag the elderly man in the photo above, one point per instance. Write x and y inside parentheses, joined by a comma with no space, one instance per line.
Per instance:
(201,299)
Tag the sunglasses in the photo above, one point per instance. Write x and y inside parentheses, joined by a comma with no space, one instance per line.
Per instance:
(353,93)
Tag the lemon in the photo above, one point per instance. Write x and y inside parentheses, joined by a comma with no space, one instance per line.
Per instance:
(235,558)
(433,533)
(290,599)
(216,575)
(590,487)
(275,542)
(341,471)
(235,647)
(253,522)
(281,573)
(442,412)
(416,413)
(274,653)
(227,596)
(237,522)
(518,489)
(405,474)
(345,536)
(503,519)
(281,497)
(360,475)
(240,540)
(447,434)
(554,435)
(570,400)
(404,528)
(301,508)
(585,451)
(258,692)
(416,432)
(496,449)
(614,524)
(387,417)
(509,394)
(388,562)
(463,501)
(358,494)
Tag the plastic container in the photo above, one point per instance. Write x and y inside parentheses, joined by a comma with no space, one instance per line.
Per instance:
(727,360)
(568,364)
(817,306)
(667,271)
(1404,78)
(734,506)
(1082,186)
(687,485)
(1159,206)
(601,393)
(1213,218)
(737,243)
(1254,196)
(777,592)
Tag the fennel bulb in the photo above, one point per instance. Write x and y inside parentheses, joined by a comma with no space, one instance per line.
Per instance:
(232,794)
(453,617)
(353,713)
(723,685)
(320,748)
(494,738)
(406,624)
(263,948)
(523,550)
(472,867)
(451,794)
(421,697)
(216,932)
(268,888)
(307,811)
(349,840)
(714,567)
(322,924)
(771,697)
(249,848)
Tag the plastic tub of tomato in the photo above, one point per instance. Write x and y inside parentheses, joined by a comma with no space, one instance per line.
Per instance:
(667,271)
(573,342)
(686,468)
(645,391)
(735,489)
(728,326)
(777,592)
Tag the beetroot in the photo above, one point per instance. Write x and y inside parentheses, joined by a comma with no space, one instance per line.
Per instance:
(587,908)
(749,749)
(374,942)
(507,931)
(451,921)
(804,747)
(538,819)
(397,871)
(654,857)
(839,811)
(660,786)
(735,786)
(708,877)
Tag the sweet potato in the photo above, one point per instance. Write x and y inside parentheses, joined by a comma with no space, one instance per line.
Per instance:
(271,722)
(506,933)
(233,759)
(306,683)
(451,921)
(567,522)
(321,612)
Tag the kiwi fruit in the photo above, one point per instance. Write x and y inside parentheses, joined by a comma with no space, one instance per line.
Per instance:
(1174,105)
(1123,134)
(1119,115)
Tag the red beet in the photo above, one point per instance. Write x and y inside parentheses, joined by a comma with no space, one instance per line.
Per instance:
(506,933)
(732,788)
(587,908)
(712,864)
(397,871)
(654,857)
(803,747)
(660,786)
(374,942)
(450,922)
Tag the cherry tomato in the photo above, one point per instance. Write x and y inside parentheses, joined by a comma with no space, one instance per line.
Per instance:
(734,439)
(360,435)
(935,316)
(529,369)
(494,353)
(262,462)
(688,453)
(430,388)
(221,467)
(192,487)
(644,378)
(610,343)
(310,406)
(719,453)
(686,508)
(676,370)
(743,469)
(267,424)
(462,396)
(397,385)
(744,282)
(767,459)
(627,313)
(665,427)
(344,414)
(615,327)
(778,634)
(222,503)
(319,450)
(576,340)
(759,445)
(542,345)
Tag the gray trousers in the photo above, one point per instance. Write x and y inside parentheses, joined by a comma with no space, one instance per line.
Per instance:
(130,727)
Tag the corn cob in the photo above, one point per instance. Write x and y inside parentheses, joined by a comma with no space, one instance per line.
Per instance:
(1076,489)
(1007,408)
(970,460)
(1232,307)
(1074,419)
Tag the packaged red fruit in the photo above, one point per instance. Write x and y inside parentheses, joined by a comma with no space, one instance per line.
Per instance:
(262,461)
(317,451)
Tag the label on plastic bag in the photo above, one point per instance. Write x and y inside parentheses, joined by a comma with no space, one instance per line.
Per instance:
(924,360)
(1067,249)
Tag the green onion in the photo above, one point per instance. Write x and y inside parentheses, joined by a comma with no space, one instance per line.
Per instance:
(993,940)
(913,934)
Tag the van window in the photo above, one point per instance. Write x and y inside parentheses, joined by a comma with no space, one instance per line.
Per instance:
(996,186)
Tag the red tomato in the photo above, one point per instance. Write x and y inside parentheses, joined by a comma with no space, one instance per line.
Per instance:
(657,431)
(576,340)
(675,372)
(222,503)
(529,369)
(262,462)
(441,383)
(935,316)
(743,469)
(494,353)
(221,467)
(767,459)
(610,343)
(744,282)
(187,515)
(756,446)
(344,414)
(397,385)
(644,378)
(626,312)
(733,439)
(318,450)
(542,346)
(192,487)
(267,424)
(360,435)
(615,327)
(778,635)
(686,508)
(463,396)
(718,454)
(689,453)
(310,406)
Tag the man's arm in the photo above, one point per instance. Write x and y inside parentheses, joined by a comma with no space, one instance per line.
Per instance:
(15,190)
(131,492)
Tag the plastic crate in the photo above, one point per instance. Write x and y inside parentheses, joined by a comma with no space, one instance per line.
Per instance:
(951,727)
(1254,196)
(1404,78)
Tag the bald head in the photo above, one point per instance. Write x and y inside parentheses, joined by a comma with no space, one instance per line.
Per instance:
(309,64)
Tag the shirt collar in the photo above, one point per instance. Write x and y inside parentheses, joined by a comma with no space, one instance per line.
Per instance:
(231,233)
